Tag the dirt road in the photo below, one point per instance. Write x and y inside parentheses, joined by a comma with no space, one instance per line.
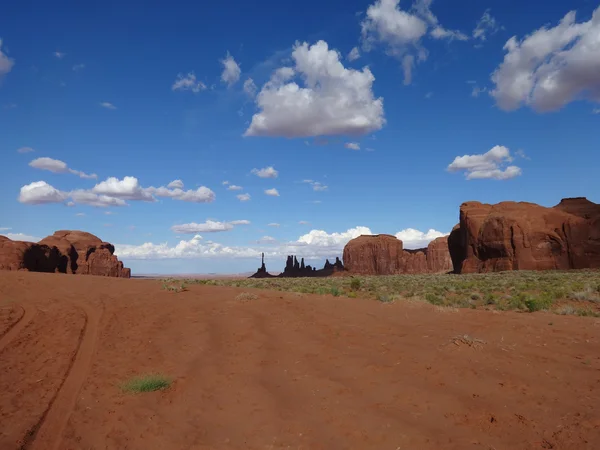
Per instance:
(285,371)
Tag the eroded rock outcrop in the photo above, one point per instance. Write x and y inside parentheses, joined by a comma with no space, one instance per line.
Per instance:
(526,236)
(74,252)
(296,269)
(384,254)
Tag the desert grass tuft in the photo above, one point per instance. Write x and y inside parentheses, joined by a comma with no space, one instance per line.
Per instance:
(146,383)
(246,296)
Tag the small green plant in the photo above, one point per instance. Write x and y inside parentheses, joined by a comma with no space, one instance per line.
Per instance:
(335,291)
(384,298)
(174,287)
(434,299)
(246,296)
(533,303)
(355,284)
(146,383)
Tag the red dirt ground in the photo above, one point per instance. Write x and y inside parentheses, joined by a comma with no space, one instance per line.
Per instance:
(285,371)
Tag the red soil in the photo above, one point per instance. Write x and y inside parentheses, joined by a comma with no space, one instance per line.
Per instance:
(285,371)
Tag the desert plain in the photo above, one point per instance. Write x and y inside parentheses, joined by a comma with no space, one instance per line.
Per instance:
(259,366)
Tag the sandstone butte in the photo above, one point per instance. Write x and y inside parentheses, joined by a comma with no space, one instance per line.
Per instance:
(383,254)
(526,236)
(73,252)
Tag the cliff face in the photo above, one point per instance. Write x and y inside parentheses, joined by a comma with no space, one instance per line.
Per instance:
(73,252)
(526,236)
(384,254)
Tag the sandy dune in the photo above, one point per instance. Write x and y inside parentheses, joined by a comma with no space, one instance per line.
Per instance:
(285,371)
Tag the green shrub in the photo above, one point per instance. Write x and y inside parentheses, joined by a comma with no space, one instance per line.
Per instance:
(146,383)
(434,299)
(355,284)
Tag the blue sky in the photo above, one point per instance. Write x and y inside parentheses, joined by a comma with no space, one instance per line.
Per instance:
(358,116)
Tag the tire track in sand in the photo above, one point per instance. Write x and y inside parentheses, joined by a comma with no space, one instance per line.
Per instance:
(14,330)
(47,433)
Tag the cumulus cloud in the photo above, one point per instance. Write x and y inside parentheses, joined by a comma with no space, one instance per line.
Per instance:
(210,226)
(402,31)
(127,189)
(352,145)
(234,187)
(354,54)
(316,244)
(22,237)
(272,192)
(490,165)
(485,27)
(59,55)
(58,166)
(40,192)
(25,150)
(84,197)
(175,184)
(231,70)
(250,87)
(200,195)
(413,239)
(6,63)
(266,172)
(551,67)
(188,83)
(243,197)
(333,101)
(225,183)
(108,105)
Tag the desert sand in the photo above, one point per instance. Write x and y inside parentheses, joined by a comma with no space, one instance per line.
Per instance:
(285,371)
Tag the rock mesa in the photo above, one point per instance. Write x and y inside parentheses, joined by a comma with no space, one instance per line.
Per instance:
(73,252)
(526,236)
(384,254)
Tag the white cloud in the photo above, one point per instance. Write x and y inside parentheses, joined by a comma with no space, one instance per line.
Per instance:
(175,184)
(225,183)
(551,67)
(5,228)
(25,150)
(352,145)
(231,70)
(303,222)
(354,54)
(272,192)
(266,172)
(58,166)
(200,195)
(333,101)
(22,237)
(243,197)
(108,105)
(40,192)
(413,239)
(188,83)
(210,226)
(127,189)
(250,87)
(489,165)
(78,67)
(316,185)
(80,214)
(233,187)
(59,55)
(6,63)
(89,198)
(485,26)
(316,244)
(273,224)
(402,31)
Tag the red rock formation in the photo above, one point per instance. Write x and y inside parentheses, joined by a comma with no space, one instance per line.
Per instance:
(295,269)
(526,236)
(74,252)
(384,254)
